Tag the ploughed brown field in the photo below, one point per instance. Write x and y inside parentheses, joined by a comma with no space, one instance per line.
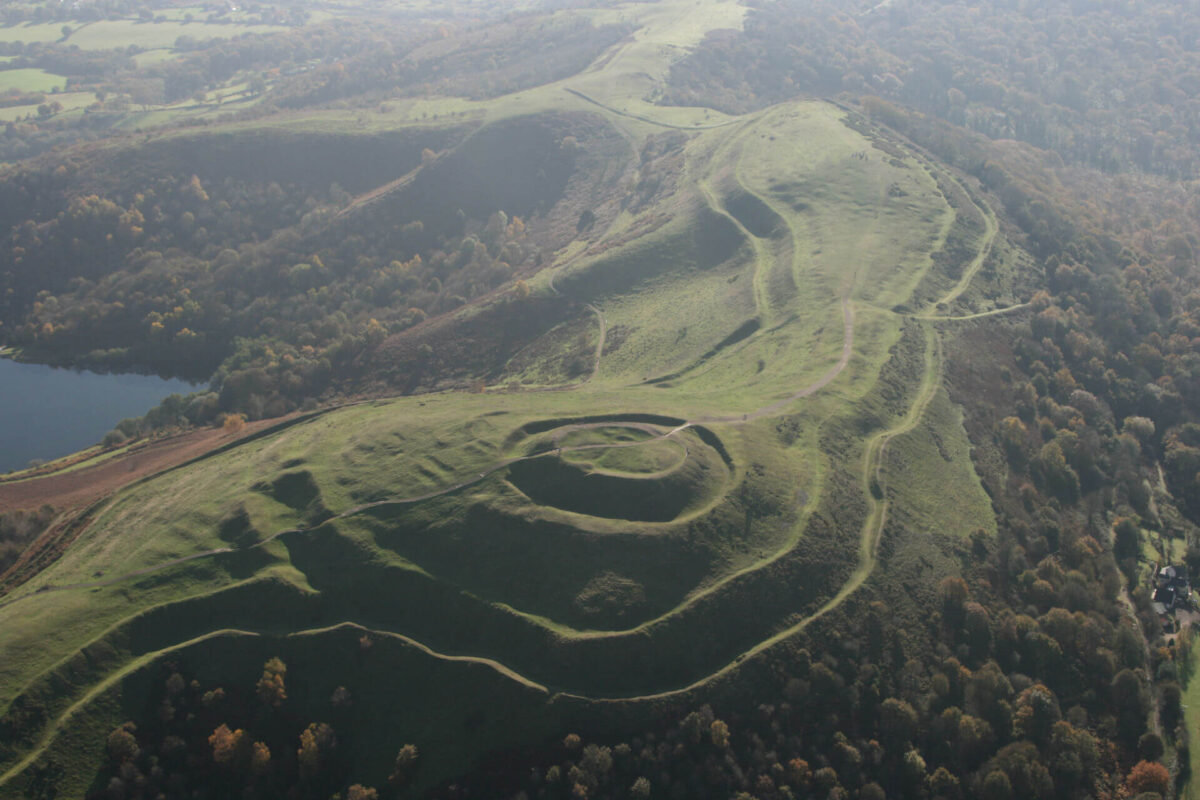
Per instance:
(71,489)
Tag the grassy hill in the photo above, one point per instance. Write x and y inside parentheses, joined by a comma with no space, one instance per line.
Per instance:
(758,392)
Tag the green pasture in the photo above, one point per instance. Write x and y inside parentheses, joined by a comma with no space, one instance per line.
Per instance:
(57,464)
(667,30)
(70,101)
(109,34)
(564,353)
(148,58)
(199,14)
(32,32)
(30,80)
(653,458)
(218,102)
(940,491)
(1191,718)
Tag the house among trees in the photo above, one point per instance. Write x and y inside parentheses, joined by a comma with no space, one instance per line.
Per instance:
(1170,590)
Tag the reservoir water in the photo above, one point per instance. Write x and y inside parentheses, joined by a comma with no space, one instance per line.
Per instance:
(46,413)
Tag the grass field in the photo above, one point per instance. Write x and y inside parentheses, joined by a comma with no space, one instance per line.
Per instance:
(152,35)
(123,33)
(31,32)
(741,377)
(70,101)
(157,42)
(30,80)
(149,58)
(931,459)
(1191,721)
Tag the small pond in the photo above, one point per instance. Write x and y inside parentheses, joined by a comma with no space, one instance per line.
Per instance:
(46,413)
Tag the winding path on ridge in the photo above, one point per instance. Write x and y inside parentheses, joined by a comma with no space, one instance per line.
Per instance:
(601,337)
(991,228)
(648,120)
(995,312)
(764,259)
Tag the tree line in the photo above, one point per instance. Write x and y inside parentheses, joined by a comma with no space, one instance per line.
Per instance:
(1107,84)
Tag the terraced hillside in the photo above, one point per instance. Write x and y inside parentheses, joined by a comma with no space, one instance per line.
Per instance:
(764,361)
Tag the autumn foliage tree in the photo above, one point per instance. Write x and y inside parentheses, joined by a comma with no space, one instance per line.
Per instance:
(270,687)
(406,762)
(122,744)
(1148,776)
(316,745)
(260,759)
(720,734)
(227,744)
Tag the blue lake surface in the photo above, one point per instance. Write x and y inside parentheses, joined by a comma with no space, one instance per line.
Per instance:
(46,413)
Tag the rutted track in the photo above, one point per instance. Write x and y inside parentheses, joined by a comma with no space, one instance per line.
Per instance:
(995,312)
(649,120)
(764,260)
(992,227)
(601,337)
